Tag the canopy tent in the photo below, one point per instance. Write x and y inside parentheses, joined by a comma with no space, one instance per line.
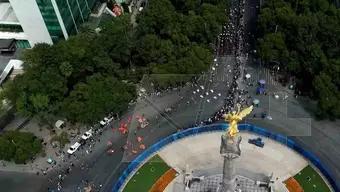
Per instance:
(49,160)
(256,101)
(262,82)
(60,124)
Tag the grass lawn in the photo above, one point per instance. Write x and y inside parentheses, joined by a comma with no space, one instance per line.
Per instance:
(311,181)
(147,175)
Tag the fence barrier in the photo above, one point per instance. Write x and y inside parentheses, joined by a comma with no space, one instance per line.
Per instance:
(140,159)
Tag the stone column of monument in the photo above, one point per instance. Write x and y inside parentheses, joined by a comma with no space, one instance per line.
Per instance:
(230,150)
(230,147)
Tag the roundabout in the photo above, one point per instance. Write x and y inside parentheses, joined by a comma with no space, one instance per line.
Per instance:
(190,159)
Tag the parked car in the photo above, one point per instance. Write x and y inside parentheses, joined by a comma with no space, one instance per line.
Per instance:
(105,121)
(258,142)
(102,123)
(108,119)
(87,134)
(73,148)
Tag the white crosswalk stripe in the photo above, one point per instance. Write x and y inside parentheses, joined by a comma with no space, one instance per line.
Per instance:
(266,75)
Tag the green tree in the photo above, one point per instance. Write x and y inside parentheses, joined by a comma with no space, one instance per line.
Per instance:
(304,37)
(18,146)
(39,102)
(66,69)
(159,18)
(273,48)
(79,78)
(328,95)
(96,98)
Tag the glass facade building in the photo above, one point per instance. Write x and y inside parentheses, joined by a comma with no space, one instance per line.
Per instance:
(72,13)
(50,19)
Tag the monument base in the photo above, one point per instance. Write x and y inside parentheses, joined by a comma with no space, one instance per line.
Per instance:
(230,150)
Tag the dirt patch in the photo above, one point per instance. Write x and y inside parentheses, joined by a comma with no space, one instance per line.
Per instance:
(292,185)
(163,181)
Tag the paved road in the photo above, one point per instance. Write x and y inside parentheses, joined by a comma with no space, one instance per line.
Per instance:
(292,116)
(103,170)
(17,182)
(322,139)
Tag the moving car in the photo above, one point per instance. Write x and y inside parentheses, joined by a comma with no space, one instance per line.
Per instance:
(258,142)
(87,134)
(73,148)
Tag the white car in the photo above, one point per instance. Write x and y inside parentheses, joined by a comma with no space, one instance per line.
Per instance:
(73,148)
(87,134)
(102,123)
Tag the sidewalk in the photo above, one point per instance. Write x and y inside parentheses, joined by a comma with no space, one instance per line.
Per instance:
(40,164)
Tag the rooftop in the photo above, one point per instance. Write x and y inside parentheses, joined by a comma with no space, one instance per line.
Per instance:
(5,43)
(5,58)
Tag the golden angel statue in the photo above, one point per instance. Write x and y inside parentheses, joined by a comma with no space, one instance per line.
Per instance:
(234,117)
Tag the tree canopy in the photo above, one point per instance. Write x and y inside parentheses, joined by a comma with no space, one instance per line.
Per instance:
(18,146)
(80,79)
(92,74)
(303,36)
(174,36)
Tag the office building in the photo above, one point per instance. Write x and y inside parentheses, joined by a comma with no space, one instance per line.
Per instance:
(42,21)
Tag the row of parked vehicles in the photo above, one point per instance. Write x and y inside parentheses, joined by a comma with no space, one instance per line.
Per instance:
(77,144)
(88,134)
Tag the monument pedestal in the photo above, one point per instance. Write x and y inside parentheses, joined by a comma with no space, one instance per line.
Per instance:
(230,150)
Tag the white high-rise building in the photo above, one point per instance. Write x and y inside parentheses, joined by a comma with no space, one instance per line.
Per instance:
(42,21)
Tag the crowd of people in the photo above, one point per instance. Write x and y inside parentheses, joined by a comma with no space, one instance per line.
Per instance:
(231,42)
(75,161)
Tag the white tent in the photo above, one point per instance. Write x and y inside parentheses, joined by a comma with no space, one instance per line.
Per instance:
(60,124)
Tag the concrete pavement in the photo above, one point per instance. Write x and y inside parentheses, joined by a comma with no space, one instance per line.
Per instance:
(201,154)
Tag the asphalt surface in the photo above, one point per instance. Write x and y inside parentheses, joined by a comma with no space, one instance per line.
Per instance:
(321,138)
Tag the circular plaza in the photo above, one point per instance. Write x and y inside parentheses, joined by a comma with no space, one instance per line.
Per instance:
(191,161)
